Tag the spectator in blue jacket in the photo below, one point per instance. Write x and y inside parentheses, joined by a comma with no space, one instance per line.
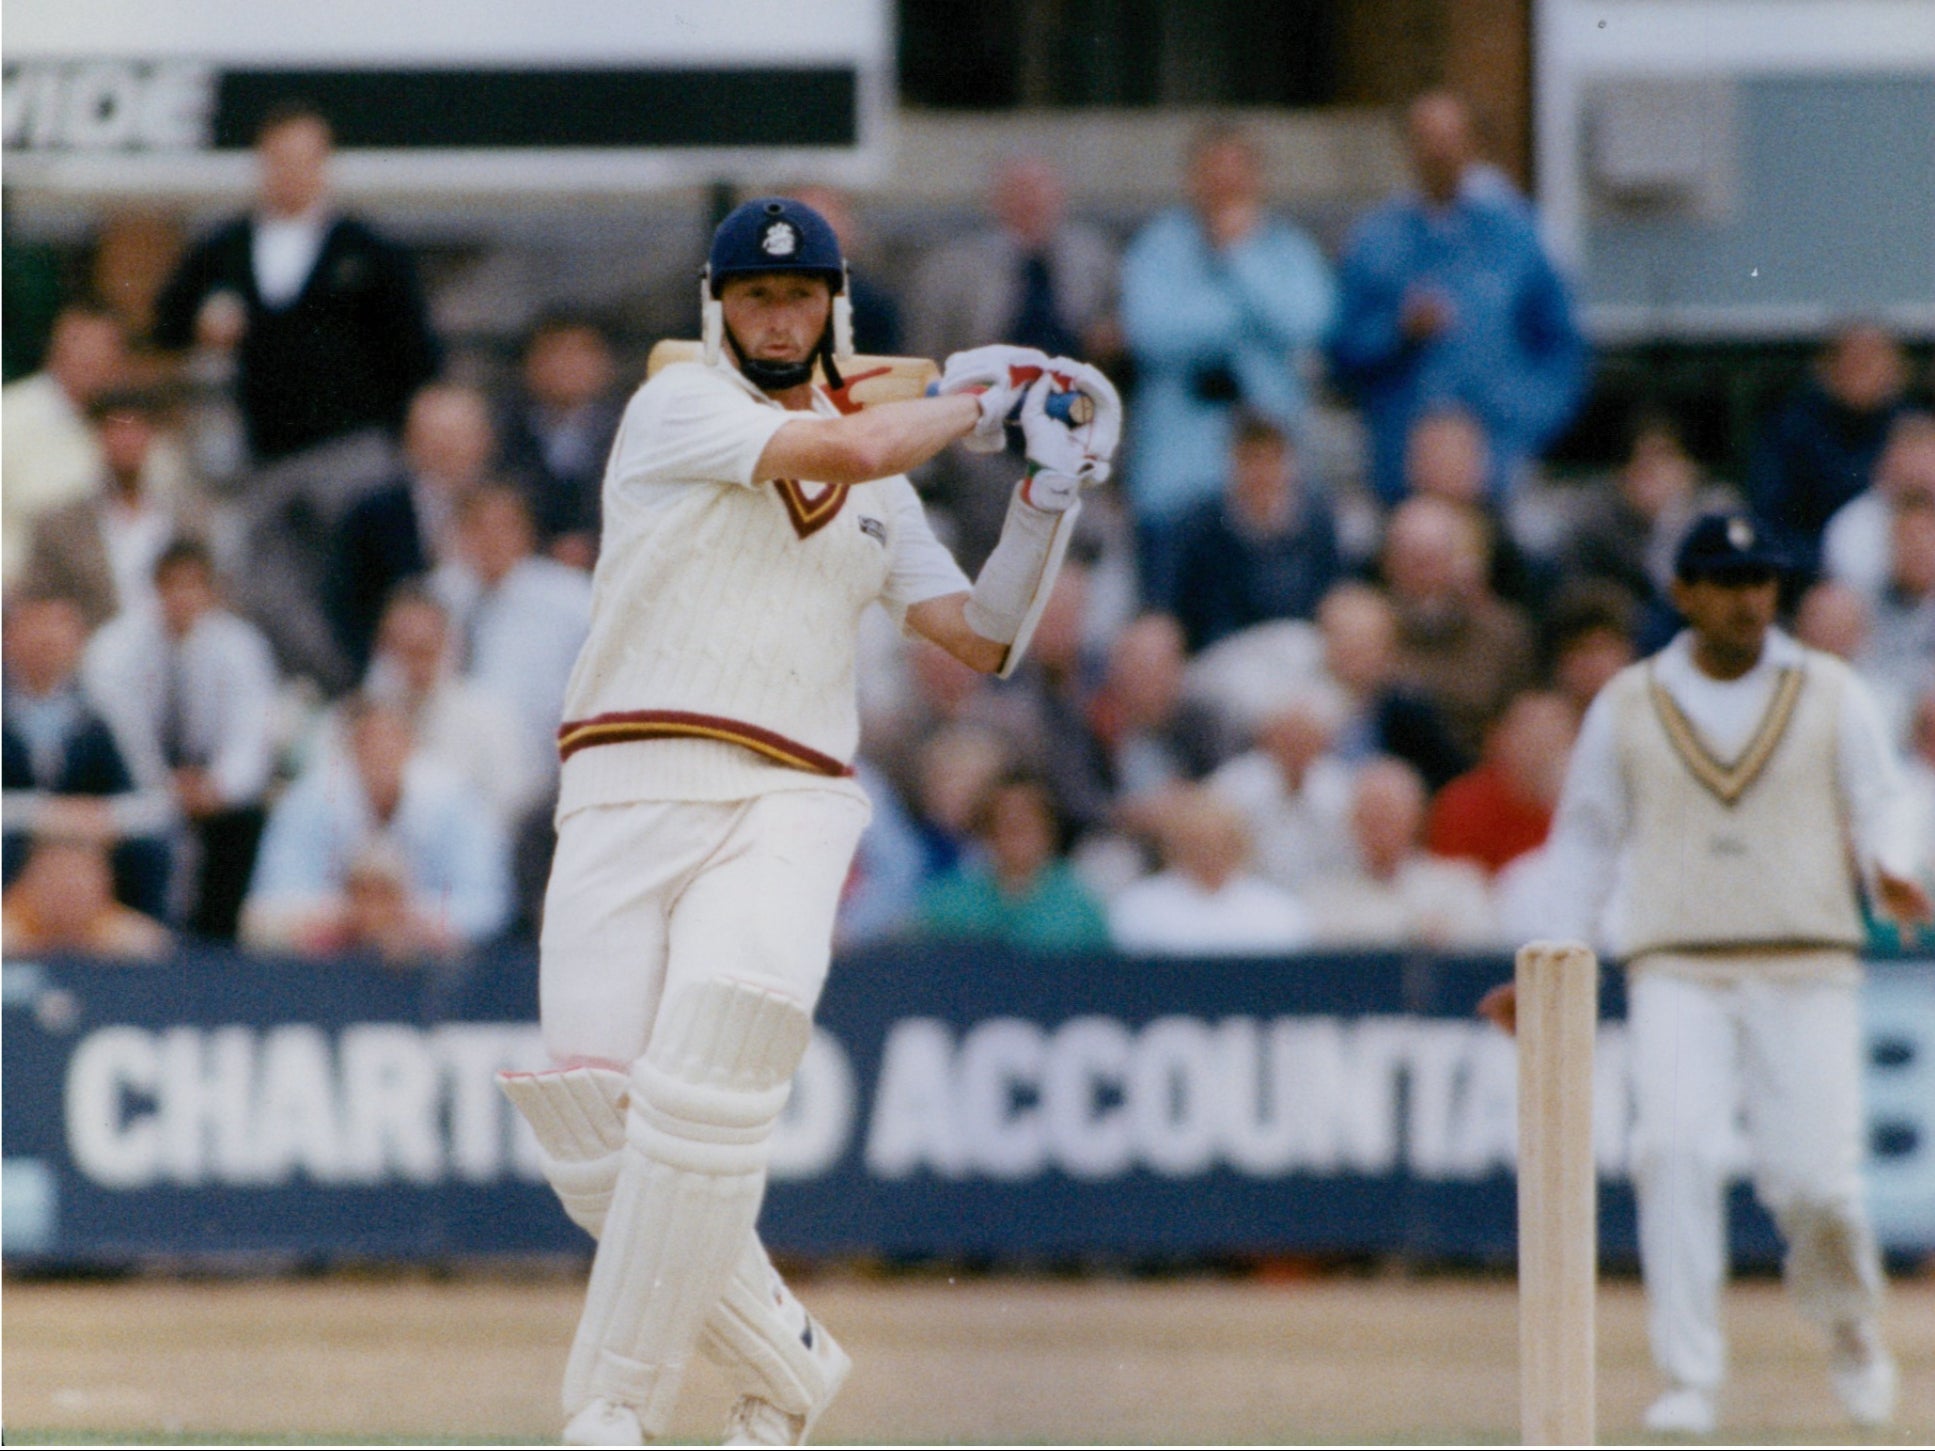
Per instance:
(1820,448)
(1222,305)
(1449,299)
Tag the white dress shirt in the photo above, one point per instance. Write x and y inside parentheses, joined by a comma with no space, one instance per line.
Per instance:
(284,253)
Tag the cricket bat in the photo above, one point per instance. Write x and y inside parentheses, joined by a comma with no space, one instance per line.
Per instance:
(866,378)
(870,378)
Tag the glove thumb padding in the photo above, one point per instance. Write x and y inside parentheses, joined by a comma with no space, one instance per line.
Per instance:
(1101,435)
(1052,445)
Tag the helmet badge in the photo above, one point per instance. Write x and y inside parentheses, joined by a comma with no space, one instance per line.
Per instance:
(780,239)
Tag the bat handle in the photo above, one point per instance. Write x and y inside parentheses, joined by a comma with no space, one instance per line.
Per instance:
(1071,409)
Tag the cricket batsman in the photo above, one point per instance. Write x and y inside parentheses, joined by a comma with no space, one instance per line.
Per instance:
(1725,805)
(708,810)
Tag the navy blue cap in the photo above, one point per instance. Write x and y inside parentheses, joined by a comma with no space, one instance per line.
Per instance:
(1728,549)
(775,234)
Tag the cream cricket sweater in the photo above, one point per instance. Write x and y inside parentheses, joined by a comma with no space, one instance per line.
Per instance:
(720,662)
(1747,851)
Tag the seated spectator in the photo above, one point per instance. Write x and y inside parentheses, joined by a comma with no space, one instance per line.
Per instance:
(941,691)
(521,617)
(50,454)
(63,769)
(1899,660)
(1293,791)
(1855,548)
(1589,637)
(884,883)
(1919,778)
(1458,643)
(1820,447)
(1383,716)
(100,551)
(876,311)
(1447,456)
(1628,530)
(1153,737)
(1030,276)
(1016,887)
(1398,894)
(1503,807)
(383,850)
(1052,687)
(63,902)
(557,431)
(189,692)
(408,526)
(454,719)
(1832,618)
(1266,549)
(958,766)
(1206,902)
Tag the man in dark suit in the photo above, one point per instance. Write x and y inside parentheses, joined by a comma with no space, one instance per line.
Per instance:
(61,765)
(330,338)
(557,428)
(325,316)
(407,526)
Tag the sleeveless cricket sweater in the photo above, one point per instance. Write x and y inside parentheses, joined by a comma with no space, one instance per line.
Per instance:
(721,658)
(1743,853)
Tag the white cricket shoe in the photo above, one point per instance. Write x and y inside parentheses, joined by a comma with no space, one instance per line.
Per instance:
(1682,1411)
(604,1423)
(755,1421)
(1863,1374)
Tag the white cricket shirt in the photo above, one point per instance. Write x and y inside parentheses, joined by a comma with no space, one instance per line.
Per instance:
(725,611)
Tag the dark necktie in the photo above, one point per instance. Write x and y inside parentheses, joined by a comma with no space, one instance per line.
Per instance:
(1037,323)
(176,748)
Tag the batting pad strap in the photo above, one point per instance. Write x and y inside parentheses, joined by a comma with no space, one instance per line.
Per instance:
(1014,584)
(759,1328)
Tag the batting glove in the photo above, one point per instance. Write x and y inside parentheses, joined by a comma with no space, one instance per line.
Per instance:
(999,374)
(1058,467)
(1102,431)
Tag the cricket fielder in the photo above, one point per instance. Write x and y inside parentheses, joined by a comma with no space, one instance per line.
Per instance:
(1724,803)
(708,810)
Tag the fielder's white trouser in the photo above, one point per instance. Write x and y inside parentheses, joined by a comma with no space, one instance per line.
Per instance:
(687,942)
(1790,1053)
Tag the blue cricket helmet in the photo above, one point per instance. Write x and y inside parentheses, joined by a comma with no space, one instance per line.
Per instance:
(775,234)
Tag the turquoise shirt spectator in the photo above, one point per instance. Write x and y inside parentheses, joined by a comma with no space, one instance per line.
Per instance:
(1209,330)
(1055,914)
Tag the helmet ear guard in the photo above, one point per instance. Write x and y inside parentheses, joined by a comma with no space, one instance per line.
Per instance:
(843,317)
(712,319)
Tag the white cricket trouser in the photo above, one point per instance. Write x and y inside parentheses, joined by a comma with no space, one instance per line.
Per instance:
(1790,1052)
(651,894)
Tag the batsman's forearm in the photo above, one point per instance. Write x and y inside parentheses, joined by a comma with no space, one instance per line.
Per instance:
(879,441)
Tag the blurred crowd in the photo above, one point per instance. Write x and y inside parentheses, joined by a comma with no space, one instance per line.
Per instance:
(291,596)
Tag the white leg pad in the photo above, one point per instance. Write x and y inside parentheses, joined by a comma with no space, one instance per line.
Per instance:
(760,1327)
(759,1332)
(703,1101)
(578,1116)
